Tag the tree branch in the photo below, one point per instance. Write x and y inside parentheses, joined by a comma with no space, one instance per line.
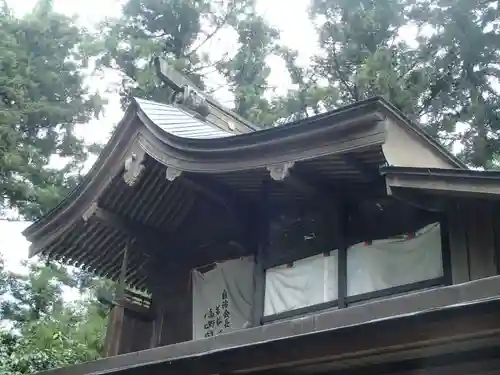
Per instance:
(343,79)
(218,27)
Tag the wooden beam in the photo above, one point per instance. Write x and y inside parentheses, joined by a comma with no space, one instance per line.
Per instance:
(153,240)
(369,174)
(141,233)
(441,185)
(209,189)
(419,199)
(261,243)
(282,172)
(473,362)
(458,243)
(340,221)
(445,320)
(236,204)
(120,290)
(303,187)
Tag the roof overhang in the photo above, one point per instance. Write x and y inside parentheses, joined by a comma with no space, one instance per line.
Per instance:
(339,132)
(449,182)
(155,177)
(419,326)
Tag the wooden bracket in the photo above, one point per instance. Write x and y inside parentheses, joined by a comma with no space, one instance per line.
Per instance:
(279,172)
(134,167)
(172,173)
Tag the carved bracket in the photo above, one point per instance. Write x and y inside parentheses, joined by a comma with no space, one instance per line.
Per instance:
(134,166)
(280,172)
(172,173)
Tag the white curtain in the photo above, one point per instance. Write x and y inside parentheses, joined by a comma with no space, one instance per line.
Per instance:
(222,298)
(304,283)
(389,263)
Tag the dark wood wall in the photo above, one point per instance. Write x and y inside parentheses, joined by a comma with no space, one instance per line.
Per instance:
(173,307)
(167,321)
(130,329)
(474,245)
(474,239)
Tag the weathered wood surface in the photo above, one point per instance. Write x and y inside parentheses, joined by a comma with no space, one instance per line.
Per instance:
(473,230)
(445,320)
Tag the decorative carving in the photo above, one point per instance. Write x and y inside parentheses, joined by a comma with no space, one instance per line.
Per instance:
(172,173)
(90,211)
(192,100)
(279,172)
(134,167)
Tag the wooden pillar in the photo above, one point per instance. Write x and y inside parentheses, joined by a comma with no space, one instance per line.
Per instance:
(177,320)
(445,249)
(340,231)
(117,315)
(458,242)
(173,305)
(496,233)
(482,258)
(261,245)
(335,217)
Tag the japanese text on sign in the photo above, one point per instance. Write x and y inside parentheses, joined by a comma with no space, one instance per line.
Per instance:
(218,319)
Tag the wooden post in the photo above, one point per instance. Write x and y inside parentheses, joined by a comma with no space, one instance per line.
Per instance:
(339,221)
(116,318)
(261,244)
(458,241)
(481,242)
(445,248)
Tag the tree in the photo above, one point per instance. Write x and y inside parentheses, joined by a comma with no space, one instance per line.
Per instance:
(42,97)
(445,77)
(247,71)
(464,45)
(182,33)
(43,330)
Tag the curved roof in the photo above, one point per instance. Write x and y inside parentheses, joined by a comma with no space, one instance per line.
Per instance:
(176,121)
(132,186)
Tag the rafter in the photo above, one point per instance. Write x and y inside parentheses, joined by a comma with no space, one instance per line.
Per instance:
(354,162)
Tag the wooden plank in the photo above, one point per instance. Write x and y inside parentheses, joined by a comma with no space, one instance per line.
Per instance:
(458,245)
(445,249)
(175,304)
(496,234)
(450,315)
(340,222)
(481,242)
(368,173)
(113,332)
(262,246)
(456,186)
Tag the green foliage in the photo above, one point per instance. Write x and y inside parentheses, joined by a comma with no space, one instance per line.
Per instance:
(42,97)
(182,33)
(173,29)
(464,51)
(40,329)
(446,78)
(247,71)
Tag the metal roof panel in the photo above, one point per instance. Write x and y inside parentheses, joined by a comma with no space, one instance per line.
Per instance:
(178,122)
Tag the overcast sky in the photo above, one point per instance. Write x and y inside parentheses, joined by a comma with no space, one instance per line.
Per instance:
(289,16)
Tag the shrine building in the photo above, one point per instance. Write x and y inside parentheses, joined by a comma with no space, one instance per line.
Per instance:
(349,242)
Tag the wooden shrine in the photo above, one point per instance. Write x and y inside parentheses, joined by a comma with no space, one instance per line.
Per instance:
(349,242)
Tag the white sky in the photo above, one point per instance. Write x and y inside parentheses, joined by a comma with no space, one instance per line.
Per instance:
(289,16)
